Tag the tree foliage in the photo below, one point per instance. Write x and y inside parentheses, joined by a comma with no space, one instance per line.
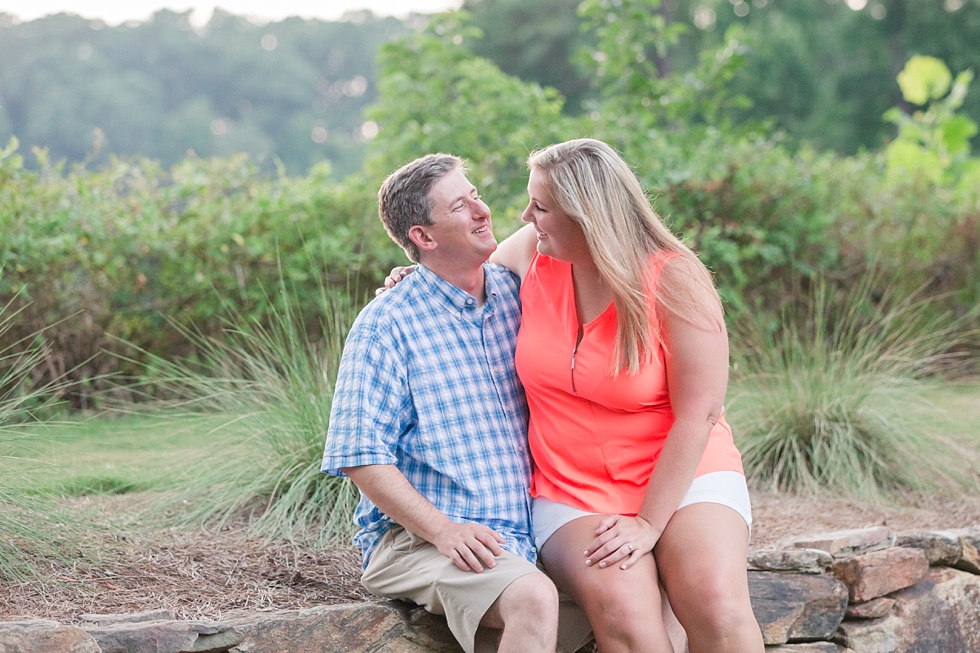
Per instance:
(292,90)
(435,96)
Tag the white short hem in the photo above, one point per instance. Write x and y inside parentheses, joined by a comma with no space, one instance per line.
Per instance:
(725,488)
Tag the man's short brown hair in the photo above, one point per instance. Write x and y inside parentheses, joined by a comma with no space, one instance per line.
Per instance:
(403,200)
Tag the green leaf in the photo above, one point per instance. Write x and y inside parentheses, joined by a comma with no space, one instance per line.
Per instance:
(924,79)
(957,132)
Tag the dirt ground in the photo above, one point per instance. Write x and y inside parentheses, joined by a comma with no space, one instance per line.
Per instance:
(205,575)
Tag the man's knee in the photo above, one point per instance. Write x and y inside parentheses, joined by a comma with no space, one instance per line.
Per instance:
(532,597)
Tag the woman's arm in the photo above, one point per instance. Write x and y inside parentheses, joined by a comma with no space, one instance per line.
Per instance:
(517,250)
(697,378)
(514,253)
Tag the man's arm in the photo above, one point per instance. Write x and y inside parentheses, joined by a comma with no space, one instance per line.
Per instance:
(470,546)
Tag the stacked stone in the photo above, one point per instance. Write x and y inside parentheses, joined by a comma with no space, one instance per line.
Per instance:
(155,631)
(904,592)
(857,591)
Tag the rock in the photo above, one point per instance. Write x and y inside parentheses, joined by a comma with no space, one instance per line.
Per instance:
(940,547)
(940,613)
(812,647)
(873,609)
(165,637)
(130,617)
(801,561)
(878,573)
(355,628)
(793,607)
(969,559)
(843,543)
(43,636)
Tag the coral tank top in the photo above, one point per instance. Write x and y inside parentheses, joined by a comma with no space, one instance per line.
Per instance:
(594,438)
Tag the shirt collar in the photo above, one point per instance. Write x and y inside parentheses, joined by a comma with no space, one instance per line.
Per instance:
(457,298)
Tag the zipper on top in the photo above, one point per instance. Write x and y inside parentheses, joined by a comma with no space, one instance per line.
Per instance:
(578,341)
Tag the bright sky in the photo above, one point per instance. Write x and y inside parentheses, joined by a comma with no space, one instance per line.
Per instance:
(118,11)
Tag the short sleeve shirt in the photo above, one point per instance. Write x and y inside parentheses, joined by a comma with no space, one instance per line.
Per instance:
(427,383)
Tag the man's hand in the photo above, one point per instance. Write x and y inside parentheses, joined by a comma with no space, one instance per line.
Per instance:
(471,547)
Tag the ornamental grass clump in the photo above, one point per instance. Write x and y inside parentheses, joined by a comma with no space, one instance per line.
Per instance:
(832,397)
(271,385)
(31,530)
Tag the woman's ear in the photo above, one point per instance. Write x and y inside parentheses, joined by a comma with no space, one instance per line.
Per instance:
(419,235)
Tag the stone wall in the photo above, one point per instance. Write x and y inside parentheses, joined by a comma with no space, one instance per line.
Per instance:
(861,591)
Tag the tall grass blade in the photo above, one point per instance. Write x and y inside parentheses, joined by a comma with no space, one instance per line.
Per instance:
(834,397)
(273,383)
(29,533)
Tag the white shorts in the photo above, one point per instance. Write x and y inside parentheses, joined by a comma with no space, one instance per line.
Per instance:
(727,488)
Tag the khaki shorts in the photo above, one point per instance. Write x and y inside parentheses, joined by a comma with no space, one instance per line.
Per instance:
(404,566)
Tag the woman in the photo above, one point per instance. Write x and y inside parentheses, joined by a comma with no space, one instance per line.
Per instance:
(624,357)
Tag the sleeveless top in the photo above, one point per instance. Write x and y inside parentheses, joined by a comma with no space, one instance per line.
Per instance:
(594,438)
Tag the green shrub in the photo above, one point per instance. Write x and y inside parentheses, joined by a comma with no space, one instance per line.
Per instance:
(123,250)
(832,398)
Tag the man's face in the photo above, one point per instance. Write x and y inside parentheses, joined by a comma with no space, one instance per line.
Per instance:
(461,226)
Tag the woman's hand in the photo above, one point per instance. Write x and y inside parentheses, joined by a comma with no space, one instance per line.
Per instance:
(621,540)
(397,274)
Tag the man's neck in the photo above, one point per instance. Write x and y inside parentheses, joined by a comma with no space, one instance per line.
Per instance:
(470,280)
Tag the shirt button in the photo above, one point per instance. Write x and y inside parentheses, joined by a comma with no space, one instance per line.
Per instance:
(469,302)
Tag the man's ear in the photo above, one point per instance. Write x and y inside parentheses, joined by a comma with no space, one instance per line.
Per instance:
(419,235)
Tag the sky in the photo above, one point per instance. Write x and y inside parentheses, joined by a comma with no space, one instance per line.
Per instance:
(119,11)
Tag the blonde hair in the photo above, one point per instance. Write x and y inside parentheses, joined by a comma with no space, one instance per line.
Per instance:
(592,184)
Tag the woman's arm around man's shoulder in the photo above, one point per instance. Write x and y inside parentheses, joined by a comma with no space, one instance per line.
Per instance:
(517,250)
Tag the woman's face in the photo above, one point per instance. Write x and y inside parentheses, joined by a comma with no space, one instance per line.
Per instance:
(559,236)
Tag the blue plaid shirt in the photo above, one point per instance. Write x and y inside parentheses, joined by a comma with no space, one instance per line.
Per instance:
(427,383)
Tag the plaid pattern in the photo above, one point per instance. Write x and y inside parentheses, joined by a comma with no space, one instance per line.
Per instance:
(427,383)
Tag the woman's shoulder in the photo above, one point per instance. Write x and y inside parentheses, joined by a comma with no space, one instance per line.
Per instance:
(683,287)
(672,268)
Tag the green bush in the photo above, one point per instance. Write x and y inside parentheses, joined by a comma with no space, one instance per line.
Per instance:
(125,249)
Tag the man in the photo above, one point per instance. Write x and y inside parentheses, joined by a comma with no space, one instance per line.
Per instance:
(430,423)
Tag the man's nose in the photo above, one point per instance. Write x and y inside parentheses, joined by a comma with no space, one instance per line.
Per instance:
(482,210)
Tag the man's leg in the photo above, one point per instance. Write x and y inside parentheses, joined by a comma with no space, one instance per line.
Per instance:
(515,594)
(527,612)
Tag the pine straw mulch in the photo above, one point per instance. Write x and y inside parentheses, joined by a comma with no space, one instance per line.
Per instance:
(205,575)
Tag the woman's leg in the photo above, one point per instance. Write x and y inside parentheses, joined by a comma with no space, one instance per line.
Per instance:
(623,607)
(701,559)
